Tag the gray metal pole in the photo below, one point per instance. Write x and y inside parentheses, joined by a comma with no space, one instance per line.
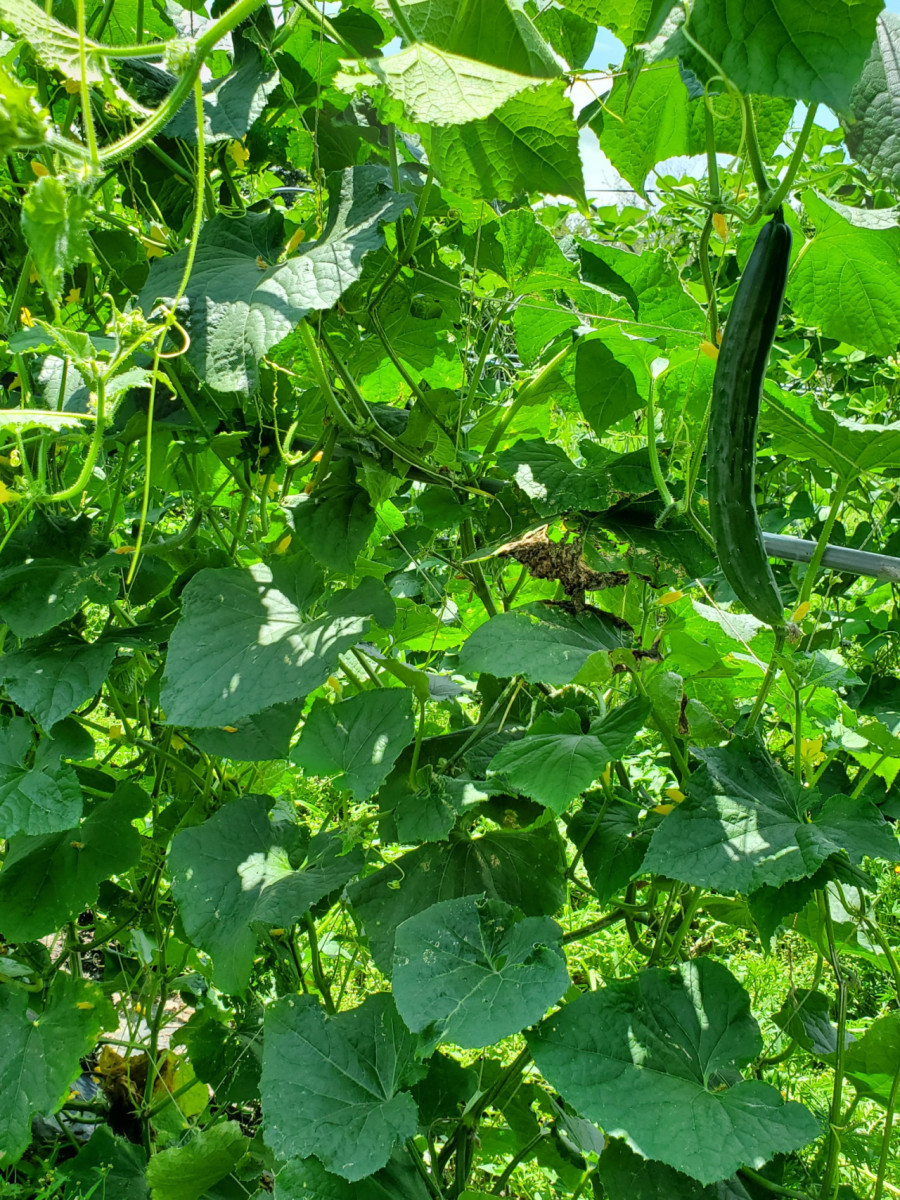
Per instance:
(837,558)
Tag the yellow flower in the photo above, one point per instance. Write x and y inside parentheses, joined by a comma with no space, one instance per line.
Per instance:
(72,86)
(720,225)
(74,295)
(38,168)
(154,242)
(26,318)
(238,152)
(6,496)
(34,275)
(801,610)
(663,809)
(284,545)
(670,597)
(676,795)
(710,350)
(296,239)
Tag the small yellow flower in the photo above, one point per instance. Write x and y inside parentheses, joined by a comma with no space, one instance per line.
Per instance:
(720,225)
(124,550)
(115,731)
(74,295)
(72,86)
(710,350)
(38,168)
(26,318)
(676,795)
(34,275)
(6,496)
(663,809)
(284,545)
(239,153)
(85,1005)
(801,610)
(154,242)
(670,597)
(229,728)
(296,238)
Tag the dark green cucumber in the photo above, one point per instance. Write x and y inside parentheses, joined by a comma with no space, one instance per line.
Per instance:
(731,444)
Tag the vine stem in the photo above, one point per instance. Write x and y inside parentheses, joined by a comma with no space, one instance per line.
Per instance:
(402,24)
(810,577)
(87,115)
(832,1145)
(656,470)
(765,687)
(776,1188)
(796,158)
(524,393)
(886,1137)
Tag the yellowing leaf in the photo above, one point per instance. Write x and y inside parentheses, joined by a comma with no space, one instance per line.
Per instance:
(670,597)
(710,350)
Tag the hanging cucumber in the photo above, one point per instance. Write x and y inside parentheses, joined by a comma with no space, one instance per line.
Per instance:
(731,444)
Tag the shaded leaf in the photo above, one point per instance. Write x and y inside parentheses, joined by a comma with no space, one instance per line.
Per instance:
(187,1172)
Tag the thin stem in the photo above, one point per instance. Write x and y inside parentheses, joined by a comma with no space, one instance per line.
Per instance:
(516,1159)
(661,486)
(765,687)
(402,24)
(316,961)
(709,285)
(796,159)
(810,577)
(776,1188)
(886,1137)
(81,482)
(524,393)
(84,88)
(754,154)
(833,1143)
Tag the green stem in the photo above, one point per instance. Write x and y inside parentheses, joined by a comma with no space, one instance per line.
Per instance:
(674,894)
(709,285)
(686,921)
(833,1143)
(712,166)
(765,687)
(776,1188)
(796,159)
(814,563)
(321,376)
(316,960)
(87,115)
(417,748)
(758,170)
(517,1158)
(524,393)
(81,482)
(886,1137)
(402,24)
(661,486)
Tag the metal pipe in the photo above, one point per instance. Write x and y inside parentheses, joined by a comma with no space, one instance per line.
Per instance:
(837,558)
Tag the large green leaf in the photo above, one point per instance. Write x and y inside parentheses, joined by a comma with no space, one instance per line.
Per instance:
(667,1043)
(746,823)
(529,144)
(630,20)
(782,47)
(41,1052)
(526,870)
(307,1179)
(49,880)
(612,841)
(187,1172)
(111,1165)
(873,1062)
(42,797)
(240,301)
(51,676)
(804,430)
(870,124)
(260,737)
(846,280)
(48,570)
(647,282)
(546,644)
(241,869)
(245,640)
(435,87)
(556,761)
(335,1086)
(627,1176)
(334,521)
(805,1016)
(652,118)
(231,104)
(355,742)
(472,971)
(551,481)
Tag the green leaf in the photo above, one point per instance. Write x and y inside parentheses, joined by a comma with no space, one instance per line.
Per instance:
(434,87)
(805,1016)
(630,20)
(544,643)
(240,302)
(612,377)
(746,823)
(22,121)
(846,281)
(556,761)
(47,573)
(231,104)
(261,737)
(530,145)
(51,676)
(307,1179)
(668,1042)
(551,481)
(646,281)
(239,870)
(107,1166)
(532,259)
(627,1176)
(804,430)
(335,1086)
(49,880)
(472,971)
(873,1062)
(54,221)
(43,797)
(782,47)
(244,641)
(355,742)
(526,870)
(874,108)
(53,44)
(40,1053)
(335,520)
(652,118)
(491,31)
(187,1172)
(614,844)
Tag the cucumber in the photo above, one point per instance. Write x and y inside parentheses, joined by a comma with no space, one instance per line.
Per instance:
(734,413)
